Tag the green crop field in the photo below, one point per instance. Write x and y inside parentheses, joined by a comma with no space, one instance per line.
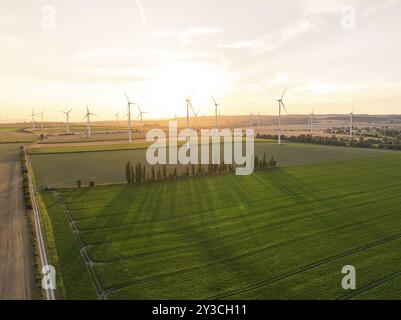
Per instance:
(62,170)
(281,233)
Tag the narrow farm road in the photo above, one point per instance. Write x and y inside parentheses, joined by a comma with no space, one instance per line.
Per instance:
(16,256)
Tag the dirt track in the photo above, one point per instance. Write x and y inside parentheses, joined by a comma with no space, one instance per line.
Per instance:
(16,257)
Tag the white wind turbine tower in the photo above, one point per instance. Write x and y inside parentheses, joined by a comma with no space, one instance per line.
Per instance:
(88,121)
(41,120)
(116,115)
(33,119)
(129,118)
(280,104)
(67,115)
(189,105)
(141,113)
(351,115)
(311,117)
(216,105)
(251,118)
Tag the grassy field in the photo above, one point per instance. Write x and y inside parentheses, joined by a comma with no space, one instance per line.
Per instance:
(11,134)
(282,233)
(64,169)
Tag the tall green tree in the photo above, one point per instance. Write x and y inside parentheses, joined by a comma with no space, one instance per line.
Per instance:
(128,171)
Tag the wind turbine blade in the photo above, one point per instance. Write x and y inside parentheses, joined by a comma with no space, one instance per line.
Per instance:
(284,107)
(283,93)
(193,91)
(126,96)
(215,103)
(190,104)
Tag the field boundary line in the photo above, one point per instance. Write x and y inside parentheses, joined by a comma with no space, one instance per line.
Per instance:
(88,261)
(50,295)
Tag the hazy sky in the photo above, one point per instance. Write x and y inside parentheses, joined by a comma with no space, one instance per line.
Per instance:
(61,54)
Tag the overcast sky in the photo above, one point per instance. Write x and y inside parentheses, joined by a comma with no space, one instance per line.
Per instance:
(61,54)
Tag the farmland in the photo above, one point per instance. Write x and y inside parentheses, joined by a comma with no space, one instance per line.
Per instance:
(282,233)
(62,170)
(15,134)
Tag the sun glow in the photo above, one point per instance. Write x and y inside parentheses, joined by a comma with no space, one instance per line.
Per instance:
(170,85)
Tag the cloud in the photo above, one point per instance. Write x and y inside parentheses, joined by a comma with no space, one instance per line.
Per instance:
(274,40)
(119,56)
(379,6)
(313,8)
(186,36)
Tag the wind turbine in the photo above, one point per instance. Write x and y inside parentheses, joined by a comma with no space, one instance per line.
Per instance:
(216,105)
(251,118)
(88,120)
(41,119)
(311,117)
(129,118)
(280,104)
(33,119)
(67,114)
(189,105)
(351,115)
(116,115)
(141,113)
(259,119)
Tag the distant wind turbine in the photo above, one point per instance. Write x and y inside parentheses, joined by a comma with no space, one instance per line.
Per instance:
(67,114)
(259,119)
(129,118)
(141,113)
(280,104)
(41,119)
(189,105)
(88,120)
(251,118)
(311,117)
(116,115)
(216,105)
(33,119)
(351,115)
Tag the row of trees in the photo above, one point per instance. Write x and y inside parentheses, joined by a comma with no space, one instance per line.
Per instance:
(91,184)
(138,173)
(263,163)
(25,182)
